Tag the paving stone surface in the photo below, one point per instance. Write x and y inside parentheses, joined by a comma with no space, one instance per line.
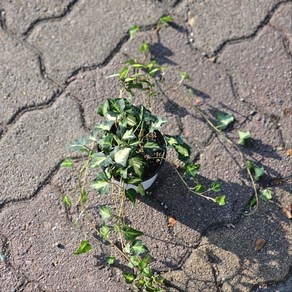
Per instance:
(215,23)
(55,59)
(20,76)
(21,15)
(35,145)
(90,34)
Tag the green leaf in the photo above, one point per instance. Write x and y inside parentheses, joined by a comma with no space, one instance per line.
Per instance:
(103,109)
(123,73)
(105,213)
(144,262)
(129,278)
(131,194)
(144,48)
(216,186)
(138,248)
(106,142)
(157,125)
(266,195)
(117,105)
(134,261)
(101,183)
(184,76)
(67,201)
(258,173)
(122,155)
(200,188)
(137,163)
(100,160)
(243,137)
(104,232)
(183,151)
(79,145)
(133,30)
(110,260)
(224,120)
(129,134)
(252,201)
(147,272)
(83,197)
(141,190)
(84,247)
(131,233)
(191,169)
(249,165)
(151,146)
(106,126)
(220,200)
(165,20)
(67,163)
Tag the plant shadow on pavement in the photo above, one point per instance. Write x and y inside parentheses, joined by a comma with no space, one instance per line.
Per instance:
(231,237)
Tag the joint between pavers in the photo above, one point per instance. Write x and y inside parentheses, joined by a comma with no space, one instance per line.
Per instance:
(66,11)
(7,203)
(2,19)
(235,40)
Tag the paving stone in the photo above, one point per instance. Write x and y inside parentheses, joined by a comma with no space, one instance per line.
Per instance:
(21,81)
(244,266)
(20,15)
(281,20)
(262,72)
(42,243)
(89,34)
(35,145)
(213,24)
(149,216)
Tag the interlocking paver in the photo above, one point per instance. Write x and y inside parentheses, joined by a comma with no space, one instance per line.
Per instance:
(22,85)
(214,23)
(262,71)
(42,243)
(90,33)
(35,145)
(208,248)
(20,15)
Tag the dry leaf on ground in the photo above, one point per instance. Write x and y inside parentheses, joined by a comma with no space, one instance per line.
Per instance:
(171,221)
(289,152)
(260,244)
(287,211)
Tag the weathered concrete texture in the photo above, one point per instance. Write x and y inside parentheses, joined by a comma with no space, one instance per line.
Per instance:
(22,85)
(281,20)
(214,23)
(20,15)
(35,145)
(148,212)
(228,257)
(82,38)
(262,72)
(42,243)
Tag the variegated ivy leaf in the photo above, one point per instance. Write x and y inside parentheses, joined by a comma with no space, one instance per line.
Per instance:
(157,125)
(137,164)
(121,156)
(129,134)
(105,213)
(101,183)
(224,120)
(80,145)
(67,163)
(100,160)
(106,126)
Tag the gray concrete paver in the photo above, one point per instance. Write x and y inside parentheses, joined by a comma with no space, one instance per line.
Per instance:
(90,33)
(35,145)
(34,231)
(262,72)
(22,85)
(250,79)
(20,15)
(213,23)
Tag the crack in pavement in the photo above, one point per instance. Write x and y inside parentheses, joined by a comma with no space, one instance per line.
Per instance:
(66,11)
(234,40)
(2,19)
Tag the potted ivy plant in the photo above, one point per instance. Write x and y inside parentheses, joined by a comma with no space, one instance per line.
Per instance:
(125,152)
